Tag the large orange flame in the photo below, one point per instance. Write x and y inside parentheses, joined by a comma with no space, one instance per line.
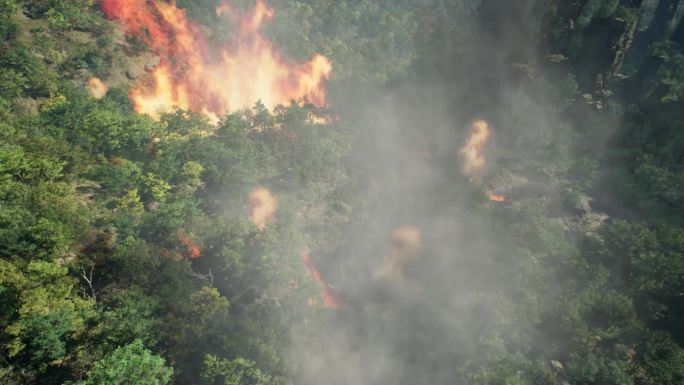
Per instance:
(262,206)
(473,159)
(196,75)
(331,299)
(193,249)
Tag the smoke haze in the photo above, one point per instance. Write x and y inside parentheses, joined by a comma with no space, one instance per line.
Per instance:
(342,192)
(454,305)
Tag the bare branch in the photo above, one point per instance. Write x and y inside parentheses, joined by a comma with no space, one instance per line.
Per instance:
(209,277)
(89,280)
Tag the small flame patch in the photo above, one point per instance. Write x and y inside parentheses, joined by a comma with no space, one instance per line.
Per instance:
(262,206)
(193,250)
(405,247)
(331,299)
(473,159)
(497,197)
(97,88)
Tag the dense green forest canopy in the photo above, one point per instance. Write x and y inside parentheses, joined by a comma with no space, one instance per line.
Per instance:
(130,253)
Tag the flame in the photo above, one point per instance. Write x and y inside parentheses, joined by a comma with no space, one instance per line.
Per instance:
(97,88)
(473,160)
(194,251)
(405,247)
(197,75)
(263,206)
(321,118)
(497,197)
(331,299)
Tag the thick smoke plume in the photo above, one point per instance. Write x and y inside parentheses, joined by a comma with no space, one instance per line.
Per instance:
(421,277)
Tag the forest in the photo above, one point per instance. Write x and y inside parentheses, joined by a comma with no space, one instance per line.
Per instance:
(342,192)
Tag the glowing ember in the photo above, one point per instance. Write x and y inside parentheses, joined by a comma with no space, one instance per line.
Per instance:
(97,88)
(406,245)
(193,249)
(195,75)
(331,299)
(262,206)
(473,160)
(497,197)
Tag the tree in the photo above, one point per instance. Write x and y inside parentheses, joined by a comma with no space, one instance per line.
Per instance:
(48,316)
(221,371)
(131,364)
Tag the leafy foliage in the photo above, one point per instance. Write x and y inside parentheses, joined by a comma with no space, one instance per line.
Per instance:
(100,206)
(130,364)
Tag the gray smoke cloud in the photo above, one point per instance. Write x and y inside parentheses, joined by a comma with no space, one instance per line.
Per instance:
(457,305)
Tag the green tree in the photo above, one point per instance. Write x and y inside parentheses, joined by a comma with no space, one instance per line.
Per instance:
(221,371)
(131,364)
